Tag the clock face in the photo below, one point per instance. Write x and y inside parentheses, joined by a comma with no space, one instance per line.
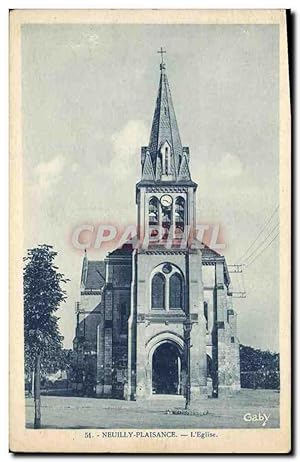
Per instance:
(166,201)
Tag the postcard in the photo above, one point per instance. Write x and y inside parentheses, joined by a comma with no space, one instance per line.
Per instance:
(150,203)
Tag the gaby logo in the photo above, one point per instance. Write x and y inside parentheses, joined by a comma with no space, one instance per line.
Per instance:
(263,418)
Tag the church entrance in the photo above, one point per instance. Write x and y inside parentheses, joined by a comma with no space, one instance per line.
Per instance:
(166,370)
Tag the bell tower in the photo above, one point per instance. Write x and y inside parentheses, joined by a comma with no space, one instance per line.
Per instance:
(166,192)
(167,291)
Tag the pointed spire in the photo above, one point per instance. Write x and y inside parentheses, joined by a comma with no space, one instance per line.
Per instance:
(164,125)
(148,173)
(84,269)
(158,169)
(184,171)
(165,159)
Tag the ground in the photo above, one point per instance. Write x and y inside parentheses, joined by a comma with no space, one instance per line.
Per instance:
(73,412)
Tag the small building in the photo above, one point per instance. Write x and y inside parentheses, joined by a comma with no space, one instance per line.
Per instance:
(158,318)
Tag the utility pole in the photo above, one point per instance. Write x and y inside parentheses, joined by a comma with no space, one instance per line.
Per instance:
(187,326)
(187,338)
(237,269)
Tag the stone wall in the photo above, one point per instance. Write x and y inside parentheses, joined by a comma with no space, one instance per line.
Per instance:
(104,327)
(113,332)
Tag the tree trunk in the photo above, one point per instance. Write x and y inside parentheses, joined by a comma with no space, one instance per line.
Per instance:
(37,392)
(32,384)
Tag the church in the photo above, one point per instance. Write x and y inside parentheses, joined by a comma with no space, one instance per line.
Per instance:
(157,319)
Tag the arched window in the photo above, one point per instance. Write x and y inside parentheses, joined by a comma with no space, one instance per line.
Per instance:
(179,215)
(165,155)
(153,211)
(167,161)
(158,287)
(175,291)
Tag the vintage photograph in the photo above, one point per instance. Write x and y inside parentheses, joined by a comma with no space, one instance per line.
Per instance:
(151,197)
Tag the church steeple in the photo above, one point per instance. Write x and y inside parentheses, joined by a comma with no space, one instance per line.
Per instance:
(165,196)
(168,157)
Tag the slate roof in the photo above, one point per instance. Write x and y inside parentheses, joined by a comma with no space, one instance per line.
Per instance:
(164,129)
(164,125)
(209,253)
(93,274)
(126,249)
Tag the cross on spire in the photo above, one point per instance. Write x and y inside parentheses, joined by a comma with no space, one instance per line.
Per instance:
(161,52)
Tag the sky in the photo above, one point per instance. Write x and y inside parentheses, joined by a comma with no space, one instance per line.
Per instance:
(88,97)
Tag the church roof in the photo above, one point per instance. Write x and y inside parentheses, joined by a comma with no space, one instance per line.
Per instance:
(209,253)
(126,249)
(93,274)
(165,132)
(164,125)
(210,256)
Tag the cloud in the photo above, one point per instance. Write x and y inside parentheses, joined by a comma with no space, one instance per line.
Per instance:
(48,173)
(126,143)
(87,40)
(227,171)
(115,192)
(230,166)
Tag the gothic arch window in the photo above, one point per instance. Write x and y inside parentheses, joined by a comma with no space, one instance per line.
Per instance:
(158,291)
(165,154)
(167,161)
(179,215)
(175,291)
(154,214)
(167,288)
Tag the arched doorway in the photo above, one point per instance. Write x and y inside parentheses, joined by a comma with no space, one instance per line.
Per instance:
(166,369)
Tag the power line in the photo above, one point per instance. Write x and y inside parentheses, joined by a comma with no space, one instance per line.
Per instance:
(261,244)
(265,248)
(259,234)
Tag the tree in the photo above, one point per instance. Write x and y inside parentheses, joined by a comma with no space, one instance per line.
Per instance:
(259,368)
(43,295)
